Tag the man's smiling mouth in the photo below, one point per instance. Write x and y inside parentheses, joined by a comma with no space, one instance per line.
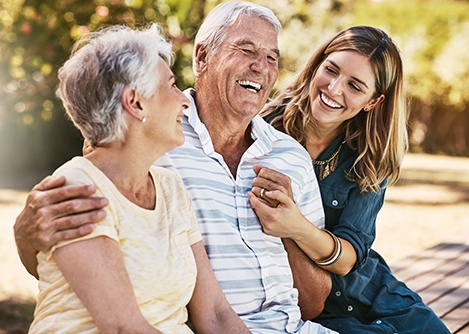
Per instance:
(329,102)
(250,85)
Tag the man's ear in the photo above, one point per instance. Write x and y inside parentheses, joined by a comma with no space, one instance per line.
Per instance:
(131,102)
(200,58)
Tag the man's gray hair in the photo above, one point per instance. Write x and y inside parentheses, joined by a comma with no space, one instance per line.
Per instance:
(102,64)
(213,30)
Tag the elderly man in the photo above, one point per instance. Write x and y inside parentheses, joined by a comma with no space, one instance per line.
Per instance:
(236,64)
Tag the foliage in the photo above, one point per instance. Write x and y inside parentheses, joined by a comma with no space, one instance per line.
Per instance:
(36,37)
(432,35)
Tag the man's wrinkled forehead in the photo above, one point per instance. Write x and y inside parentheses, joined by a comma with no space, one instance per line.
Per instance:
(237,34)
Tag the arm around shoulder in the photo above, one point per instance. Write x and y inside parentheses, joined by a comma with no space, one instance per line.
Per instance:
(54,212)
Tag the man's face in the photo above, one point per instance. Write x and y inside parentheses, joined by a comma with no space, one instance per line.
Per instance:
(245,68)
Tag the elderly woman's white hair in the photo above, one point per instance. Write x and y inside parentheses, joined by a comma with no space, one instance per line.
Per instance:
(213,30)
(102,64)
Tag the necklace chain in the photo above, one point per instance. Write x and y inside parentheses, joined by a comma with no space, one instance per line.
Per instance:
(333,155)
(326,167)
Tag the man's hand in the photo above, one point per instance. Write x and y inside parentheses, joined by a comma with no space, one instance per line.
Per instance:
(55,212)
(313,283)
(270,180)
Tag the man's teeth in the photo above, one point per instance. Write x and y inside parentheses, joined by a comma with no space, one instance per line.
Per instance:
(250,85)
(329,102)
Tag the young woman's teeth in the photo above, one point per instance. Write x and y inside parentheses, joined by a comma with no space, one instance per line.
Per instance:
(250,85)
(329,102)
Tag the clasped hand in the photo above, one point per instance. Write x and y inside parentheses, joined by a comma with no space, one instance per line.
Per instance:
(271,198)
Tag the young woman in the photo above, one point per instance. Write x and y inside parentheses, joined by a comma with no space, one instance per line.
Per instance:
(347,108)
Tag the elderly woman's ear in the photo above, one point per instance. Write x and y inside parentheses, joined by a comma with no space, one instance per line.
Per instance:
(131,103)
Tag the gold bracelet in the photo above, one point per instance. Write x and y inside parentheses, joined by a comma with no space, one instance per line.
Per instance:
(336,253)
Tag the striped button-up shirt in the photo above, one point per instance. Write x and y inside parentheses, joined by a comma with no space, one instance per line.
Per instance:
(251,267)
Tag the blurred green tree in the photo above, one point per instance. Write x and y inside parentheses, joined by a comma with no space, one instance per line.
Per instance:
(433,37)
(36,37)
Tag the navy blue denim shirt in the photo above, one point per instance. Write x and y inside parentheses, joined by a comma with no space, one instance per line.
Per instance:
(370,289)
(369,293)
(349,213)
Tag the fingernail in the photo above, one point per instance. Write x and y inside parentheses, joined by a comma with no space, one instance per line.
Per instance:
(101,214)
(90,187)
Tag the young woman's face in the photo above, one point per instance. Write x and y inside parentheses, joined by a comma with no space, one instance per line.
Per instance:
(344,84)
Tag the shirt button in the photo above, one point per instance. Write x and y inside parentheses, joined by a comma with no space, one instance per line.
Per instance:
(335,202)
(378,322)
(338,293)
(350,308)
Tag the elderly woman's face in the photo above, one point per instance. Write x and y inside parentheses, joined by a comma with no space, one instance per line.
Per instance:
(165,110)
(344,84)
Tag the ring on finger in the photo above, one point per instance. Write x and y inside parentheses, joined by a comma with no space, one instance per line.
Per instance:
(261,194)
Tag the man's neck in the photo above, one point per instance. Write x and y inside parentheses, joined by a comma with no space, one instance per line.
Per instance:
(230,137)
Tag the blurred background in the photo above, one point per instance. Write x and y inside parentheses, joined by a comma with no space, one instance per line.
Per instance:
(36,37)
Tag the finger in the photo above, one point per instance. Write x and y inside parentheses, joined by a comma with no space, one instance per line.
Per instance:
(43,198)
(279,197)
(275,181)
(262,196)
(74,206)
(268,184)
(77,220)
(257,168)
(74,233)
(275,176)
(50,182)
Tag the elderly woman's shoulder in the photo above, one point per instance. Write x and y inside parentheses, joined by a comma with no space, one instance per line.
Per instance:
(164,174)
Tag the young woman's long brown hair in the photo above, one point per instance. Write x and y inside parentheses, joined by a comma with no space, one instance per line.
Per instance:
(379,136)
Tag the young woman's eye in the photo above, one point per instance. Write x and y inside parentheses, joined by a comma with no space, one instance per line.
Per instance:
(355,87)
(330,69)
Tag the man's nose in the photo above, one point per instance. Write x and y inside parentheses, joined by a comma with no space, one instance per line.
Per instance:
(260,63)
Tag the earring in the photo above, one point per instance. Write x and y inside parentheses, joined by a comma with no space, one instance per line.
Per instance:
(143,119)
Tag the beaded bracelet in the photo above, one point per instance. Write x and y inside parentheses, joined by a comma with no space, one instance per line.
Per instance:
(335,254)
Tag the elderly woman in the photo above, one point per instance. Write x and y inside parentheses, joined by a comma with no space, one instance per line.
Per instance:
(347,108)
(141,266)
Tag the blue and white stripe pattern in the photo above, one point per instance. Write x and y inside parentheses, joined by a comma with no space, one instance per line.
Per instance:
(251,267)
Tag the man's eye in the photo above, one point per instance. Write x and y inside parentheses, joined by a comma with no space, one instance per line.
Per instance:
(272,59)
(248,51)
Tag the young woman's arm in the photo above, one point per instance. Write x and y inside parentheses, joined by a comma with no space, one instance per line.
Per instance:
(209,309)
(95,270)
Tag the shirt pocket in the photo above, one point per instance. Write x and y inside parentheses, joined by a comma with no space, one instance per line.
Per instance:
(334,197)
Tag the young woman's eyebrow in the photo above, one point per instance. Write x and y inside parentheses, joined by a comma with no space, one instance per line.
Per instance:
(354,78)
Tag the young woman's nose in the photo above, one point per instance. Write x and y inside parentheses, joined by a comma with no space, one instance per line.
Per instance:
(335,86)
